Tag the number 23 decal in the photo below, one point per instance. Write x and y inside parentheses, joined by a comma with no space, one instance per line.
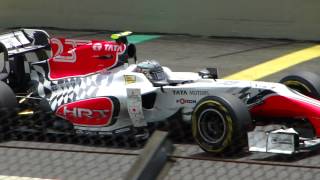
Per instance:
(65,49)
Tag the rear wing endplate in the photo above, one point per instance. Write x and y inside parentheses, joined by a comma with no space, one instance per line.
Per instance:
(14,61)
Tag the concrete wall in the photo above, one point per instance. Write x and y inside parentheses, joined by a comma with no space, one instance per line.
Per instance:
(293,19)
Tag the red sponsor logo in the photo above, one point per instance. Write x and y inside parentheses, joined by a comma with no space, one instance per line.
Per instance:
(89,112)
(186,101)
(97,46)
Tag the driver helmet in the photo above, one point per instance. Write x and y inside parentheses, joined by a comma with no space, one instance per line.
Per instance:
(152,70)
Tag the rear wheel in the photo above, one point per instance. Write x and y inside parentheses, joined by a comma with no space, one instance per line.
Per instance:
(8,104)
(220,124)
(7,97)
(306,83)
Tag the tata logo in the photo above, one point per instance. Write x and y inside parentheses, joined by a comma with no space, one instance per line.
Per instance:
(190,92)
(97,47)
(180,92)
(118,48)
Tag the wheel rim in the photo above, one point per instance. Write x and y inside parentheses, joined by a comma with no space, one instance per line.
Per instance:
(212,126)
(300,87)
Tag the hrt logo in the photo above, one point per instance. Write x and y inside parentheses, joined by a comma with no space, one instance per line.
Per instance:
(85,113)
(89,112)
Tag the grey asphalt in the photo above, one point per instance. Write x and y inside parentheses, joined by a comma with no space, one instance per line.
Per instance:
(181,53)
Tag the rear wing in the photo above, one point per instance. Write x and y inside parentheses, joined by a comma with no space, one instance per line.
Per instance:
(22,41)
(14,58)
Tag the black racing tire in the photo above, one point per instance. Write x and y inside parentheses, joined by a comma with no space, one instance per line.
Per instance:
(220,124)
(8,107)
(307,83)
(8,99)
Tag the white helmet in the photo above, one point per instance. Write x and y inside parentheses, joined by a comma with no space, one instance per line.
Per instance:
(152,70)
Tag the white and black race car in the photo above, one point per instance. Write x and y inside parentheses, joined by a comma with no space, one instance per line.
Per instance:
(93,90)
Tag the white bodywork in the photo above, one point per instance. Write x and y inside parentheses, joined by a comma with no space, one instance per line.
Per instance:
(183,91)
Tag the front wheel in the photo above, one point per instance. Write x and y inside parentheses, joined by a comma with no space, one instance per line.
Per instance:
(306,83)
(220,124)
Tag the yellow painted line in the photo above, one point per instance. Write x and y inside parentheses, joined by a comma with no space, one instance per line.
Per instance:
(2,177)
(275,65)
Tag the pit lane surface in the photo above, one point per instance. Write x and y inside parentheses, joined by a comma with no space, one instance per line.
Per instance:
(181,53)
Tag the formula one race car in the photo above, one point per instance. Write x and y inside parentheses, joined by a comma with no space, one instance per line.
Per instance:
(92,89)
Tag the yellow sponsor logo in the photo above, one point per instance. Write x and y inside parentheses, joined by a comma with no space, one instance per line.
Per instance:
(129,79)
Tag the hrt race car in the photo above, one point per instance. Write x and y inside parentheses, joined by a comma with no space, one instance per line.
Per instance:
(93,90)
